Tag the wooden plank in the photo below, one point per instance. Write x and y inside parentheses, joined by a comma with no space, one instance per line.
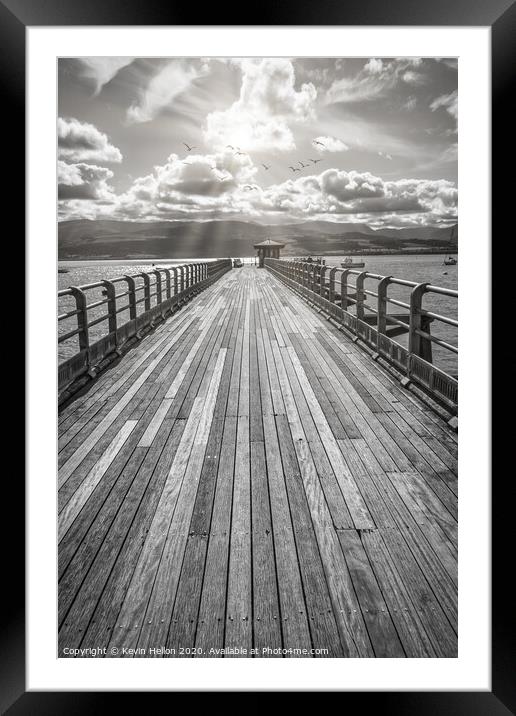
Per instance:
(102,493)
(212,609)
(105,617)
(76,502)
(431,565)
(293,393)
(319,606)
(267,617)
(406,619)
(164,546)
(79,566)
(444,548)
(239,609)
(354,501)
(380,627)
(440,631)
(184,622)
(78,456)
(353,633)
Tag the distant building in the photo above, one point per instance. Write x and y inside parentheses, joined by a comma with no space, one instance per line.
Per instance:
(268,249)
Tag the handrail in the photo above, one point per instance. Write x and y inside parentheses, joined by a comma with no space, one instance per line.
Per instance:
(329,288)
(169,287)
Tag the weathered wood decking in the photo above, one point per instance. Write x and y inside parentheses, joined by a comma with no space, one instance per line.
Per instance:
(248,477)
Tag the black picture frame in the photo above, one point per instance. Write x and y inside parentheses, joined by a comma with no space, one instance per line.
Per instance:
(500,15)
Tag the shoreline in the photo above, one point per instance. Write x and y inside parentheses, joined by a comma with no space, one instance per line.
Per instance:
(389,252)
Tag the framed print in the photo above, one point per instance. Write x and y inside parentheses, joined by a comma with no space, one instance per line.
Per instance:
(265,430)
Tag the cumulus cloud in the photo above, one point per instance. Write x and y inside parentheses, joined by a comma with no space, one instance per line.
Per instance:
(268,103)
(329,144)
(83,142)
(84,182)
(167,84)
(373,66)
(193,187)
(339,193)
(101,70)
(213,186)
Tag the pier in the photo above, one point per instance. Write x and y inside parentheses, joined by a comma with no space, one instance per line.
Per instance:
(249,461)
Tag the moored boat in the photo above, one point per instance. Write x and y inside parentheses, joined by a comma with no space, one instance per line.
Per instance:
(349,263)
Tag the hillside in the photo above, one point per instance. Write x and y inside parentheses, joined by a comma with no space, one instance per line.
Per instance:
(85,239)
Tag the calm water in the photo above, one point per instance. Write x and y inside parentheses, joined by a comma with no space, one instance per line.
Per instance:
(427,268)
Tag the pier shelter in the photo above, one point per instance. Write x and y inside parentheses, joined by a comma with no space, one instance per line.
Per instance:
(268,249)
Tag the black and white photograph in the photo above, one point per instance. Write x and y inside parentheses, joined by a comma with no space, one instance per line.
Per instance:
(257,357)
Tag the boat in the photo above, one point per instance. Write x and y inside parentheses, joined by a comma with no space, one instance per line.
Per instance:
(63,270)
(349,263)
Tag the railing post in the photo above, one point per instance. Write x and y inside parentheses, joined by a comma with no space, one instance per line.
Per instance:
(381,324)
(331,296)
(81,305)
(305,274)
(131,287)
(182,269)
(174,271)
(344,290)
(311,277)
(322,277)
(169,287)
(158,286)
(359,284)
(416,342)
(146,291)
(110,292)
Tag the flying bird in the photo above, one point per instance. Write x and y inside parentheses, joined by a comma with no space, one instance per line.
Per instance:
(265,167)
(188,148)
(314,161)
(242,153)
(315,141)
(303,166)
(248,187)
(294,169)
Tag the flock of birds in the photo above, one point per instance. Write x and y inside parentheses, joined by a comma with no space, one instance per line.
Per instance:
(238,152)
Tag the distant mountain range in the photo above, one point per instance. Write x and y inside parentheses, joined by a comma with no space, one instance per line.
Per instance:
(105,239)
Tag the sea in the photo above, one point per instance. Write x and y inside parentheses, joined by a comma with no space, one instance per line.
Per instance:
(418,268)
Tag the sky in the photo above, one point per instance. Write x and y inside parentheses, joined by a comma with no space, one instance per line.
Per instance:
(271,140)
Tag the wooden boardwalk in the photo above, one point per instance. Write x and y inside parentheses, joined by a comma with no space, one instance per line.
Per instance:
(247,477)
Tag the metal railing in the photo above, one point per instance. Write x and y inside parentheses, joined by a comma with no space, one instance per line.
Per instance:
(329,288)
(159,293)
